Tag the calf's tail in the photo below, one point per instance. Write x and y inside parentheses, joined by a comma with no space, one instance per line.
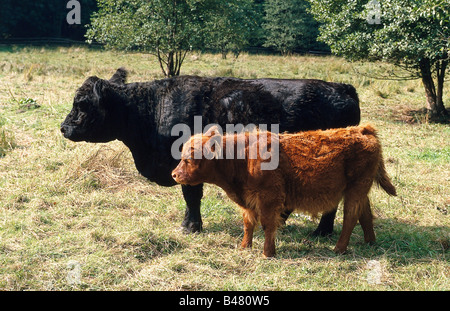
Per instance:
(383,179)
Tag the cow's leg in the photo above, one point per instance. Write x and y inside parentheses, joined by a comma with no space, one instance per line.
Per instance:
(285,215)
(326,223)
(325,226)
(192,219)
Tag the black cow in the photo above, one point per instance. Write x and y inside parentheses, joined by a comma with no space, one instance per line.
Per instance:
(141,115)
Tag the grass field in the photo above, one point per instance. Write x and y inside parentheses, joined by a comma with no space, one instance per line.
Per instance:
(78,216)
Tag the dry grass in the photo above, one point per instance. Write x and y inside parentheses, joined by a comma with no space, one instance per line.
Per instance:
(64,202)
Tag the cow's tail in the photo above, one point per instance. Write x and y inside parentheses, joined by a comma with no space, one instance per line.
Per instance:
(383,179)
(351,91)
(352,114)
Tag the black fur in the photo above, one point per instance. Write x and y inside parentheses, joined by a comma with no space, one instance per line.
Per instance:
(142,115)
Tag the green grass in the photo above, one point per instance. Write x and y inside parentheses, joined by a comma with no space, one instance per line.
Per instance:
(63,202)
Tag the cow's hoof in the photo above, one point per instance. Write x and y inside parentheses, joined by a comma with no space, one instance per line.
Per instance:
(191,227)
(322,231)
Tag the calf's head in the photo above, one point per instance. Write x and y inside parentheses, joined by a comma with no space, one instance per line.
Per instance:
(189,172)
(95,110)
(197,159)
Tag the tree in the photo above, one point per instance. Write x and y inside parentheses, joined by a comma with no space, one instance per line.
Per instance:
(288,25)
(229,26)
(165,28)
(411,34)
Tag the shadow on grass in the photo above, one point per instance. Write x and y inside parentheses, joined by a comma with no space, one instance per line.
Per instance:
(398,241)
(229,226)
(151,246)
(420,116)
(404,243)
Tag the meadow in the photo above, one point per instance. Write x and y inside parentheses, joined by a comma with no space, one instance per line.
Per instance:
(78,216)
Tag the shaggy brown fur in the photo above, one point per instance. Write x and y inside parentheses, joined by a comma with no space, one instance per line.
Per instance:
(316,170)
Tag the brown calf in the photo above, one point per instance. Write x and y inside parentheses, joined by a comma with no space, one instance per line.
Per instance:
(316,170)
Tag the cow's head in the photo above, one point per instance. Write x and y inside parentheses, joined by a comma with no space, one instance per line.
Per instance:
(94,110)
(197,165)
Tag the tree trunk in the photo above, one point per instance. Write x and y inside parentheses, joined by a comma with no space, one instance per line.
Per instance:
(161,61)
(442,66)
(434,96)
(171,62)
(170,65)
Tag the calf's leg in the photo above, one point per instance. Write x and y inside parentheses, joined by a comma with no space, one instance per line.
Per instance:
(366,221)
(356,206)
(347,228)
(270,220)
(192,219)
(269,239)
(351,215)
(250,221)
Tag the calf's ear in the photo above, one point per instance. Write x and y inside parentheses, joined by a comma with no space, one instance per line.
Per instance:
(212,139)
(213,130)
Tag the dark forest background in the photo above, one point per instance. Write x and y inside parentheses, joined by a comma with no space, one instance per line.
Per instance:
(44,22)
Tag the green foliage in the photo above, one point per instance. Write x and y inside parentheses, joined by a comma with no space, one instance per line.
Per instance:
(411,34)
(164,28)
(170,28)
(288,25)
(28,103)
(409,30)
(230,25)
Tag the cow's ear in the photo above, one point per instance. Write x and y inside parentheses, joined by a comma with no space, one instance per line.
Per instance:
(101,90)
(120,77)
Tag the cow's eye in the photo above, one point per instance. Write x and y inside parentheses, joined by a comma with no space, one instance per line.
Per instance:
(83,105)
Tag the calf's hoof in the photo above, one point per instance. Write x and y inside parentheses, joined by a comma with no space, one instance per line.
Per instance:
(246,245)
(268,256)
(340,249)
